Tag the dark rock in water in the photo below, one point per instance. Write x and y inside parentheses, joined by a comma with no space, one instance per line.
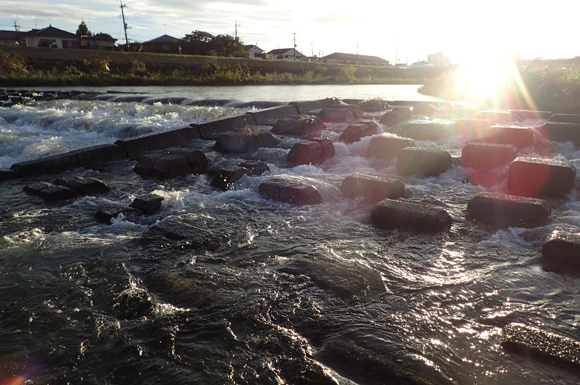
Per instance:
(542,345)
(344,280)
(390,213)
(561,132)
(104,215)
(396,116)
(84,185)
(136,146)
(290,190)
(561,251)
(133,303)
(372,367)
(226,177)
(520,137)
(503,210)
(372,187)
(178,289)
(310,105)
(486,156)
(352,133)
(472,128)
(270,115)
(149,204)
(425,131)
(172,162)
(387,147)
(181,230)
(424,109)
(242,142)
(210,102)
(423,161)
(340,114)
(50,192)
(255,167)
(565,118)
(373,105)
(315,151)
(537,177)
(8,174)
(522,115)
(299,126)
(496,116)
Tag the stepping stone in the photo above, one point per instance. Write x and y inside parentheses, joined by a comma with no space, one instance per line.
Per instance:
(472,128)
(244,142)
(315,151)
(105,215)
(290,190)
(340,114)
(372,187)
(520,137)
(541,345)
(496,116)
(522,115)
(504,211)
(149,204)
(84,185)
(425,131)
(387,147)
(172,162)
(227,176)
(486,156)
(297,126)
(423,161)
(561,251)
(396,116)
(392,214)
(255,167)
(50,192)
(536,177)
(565,118)
(424,109)
(561,132)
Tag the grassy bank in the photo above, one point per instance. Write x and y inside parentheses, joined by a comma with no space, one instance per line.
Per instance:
(28,66)
(542,85)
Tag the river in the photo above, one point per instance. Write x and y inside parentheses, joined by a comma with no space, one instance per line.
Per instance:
(280,293)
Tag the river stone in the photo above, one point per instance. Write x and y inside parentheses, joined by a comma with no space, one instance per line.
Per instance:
(227,176)
(520,137)
(387,147)
(561,132)
(84,185)
(372,187)
(352,133)
(290,190)
(537,177)
(396,116)
(425,130)
(503,210)
(426,109)
(244,142)
(180,230)
(472,128)
(486,156)
(149,204)
(523,115)
(340,114)
(315,151)
(496,116)
(298,126)
(255,167)
(133,303)
(561,251)
(373,105)
(541,345)
(390,213)
(50,192)
(565,118)
(423,161)
(172,162)
(106,214)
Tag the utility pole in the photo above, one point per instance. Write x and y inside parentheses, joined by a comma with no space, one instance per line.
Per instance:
(294,33)
(236,30)
(16,27)
(125,27)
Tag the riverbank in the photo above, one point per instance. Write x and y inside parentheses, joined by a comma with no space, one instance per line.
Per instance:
(32,66)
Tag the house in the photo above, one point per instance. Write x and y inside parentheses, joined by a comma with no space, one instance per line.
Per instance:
(100,41)
(285,54)
(9,37)
(422,63)
(162,44)
(49,37)
(349,58)
(254,52)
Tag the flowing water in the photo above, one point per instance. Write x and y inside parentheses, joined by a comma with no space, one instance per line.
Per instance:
(276,293)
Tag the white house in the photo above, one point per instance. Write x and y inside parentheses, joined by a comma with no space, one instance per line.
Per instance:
(254,52)
(49,37)
(285,54)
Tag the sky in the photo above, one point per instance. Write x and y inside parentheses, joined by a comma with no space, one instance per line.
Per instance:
(404,31)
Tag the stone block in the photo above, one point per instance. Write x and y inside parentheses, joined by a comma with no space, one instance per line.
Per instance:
(310,105)
(340,114)
(372,187)
(423,161)
(315,151)
(565,118)
(290,190)
(496,116)
(425,130)
(255,167)
(134,147)
(270,115)
(390,213)
(244,142)
(84,185)
(424,108)
(504,211)
(520,137)
(472,128)
(541,345)
(536,177)
(396,115)
(259,104)
(149,204)
(352,133)
(212,130)
(50,192)
(387,147)
(171,163)
(561,132)
(561,251)
(227,176)
(210,102)
(522,115)
(298,126)
(8,174)
(104,215)
(486,156)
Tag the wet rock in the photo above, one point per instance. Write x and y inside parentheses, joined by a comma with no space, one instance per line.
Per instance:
(298,126)
(149,204)
(373,105)
(133,303)
(565,118)
(561,132)
(290,190)
(522,115)
(519,137)
(472,128)
(311,105)
(255,167)
(426,109)
(212,130)
(182,230)
(244,142)
(387,147)
(503,210)
(423,161)
(352,133)
(172,162)
(561,251)
(227,176)
(542,345)
(106,214)
(425,130)
(372,187)
(272,114)
(496,116)
(136,146)
(536,177)
(391,214)
(483,156)
(315,151)
(50,192)
(178,289)
(84,185)
(8,174)
(340,114)
(396,116)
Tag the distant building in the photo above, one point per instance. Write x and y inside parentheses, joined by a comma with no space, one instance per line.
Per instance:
(254,52)
(422,63)
(49,37)
(162,44)
(349,58)
(285,54)
(9,37)
(100,41)
(438,59)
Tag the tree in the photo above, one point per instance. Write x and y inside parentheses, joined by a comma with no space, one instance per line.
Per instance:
(83,30)
(226,45)
(197,43)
